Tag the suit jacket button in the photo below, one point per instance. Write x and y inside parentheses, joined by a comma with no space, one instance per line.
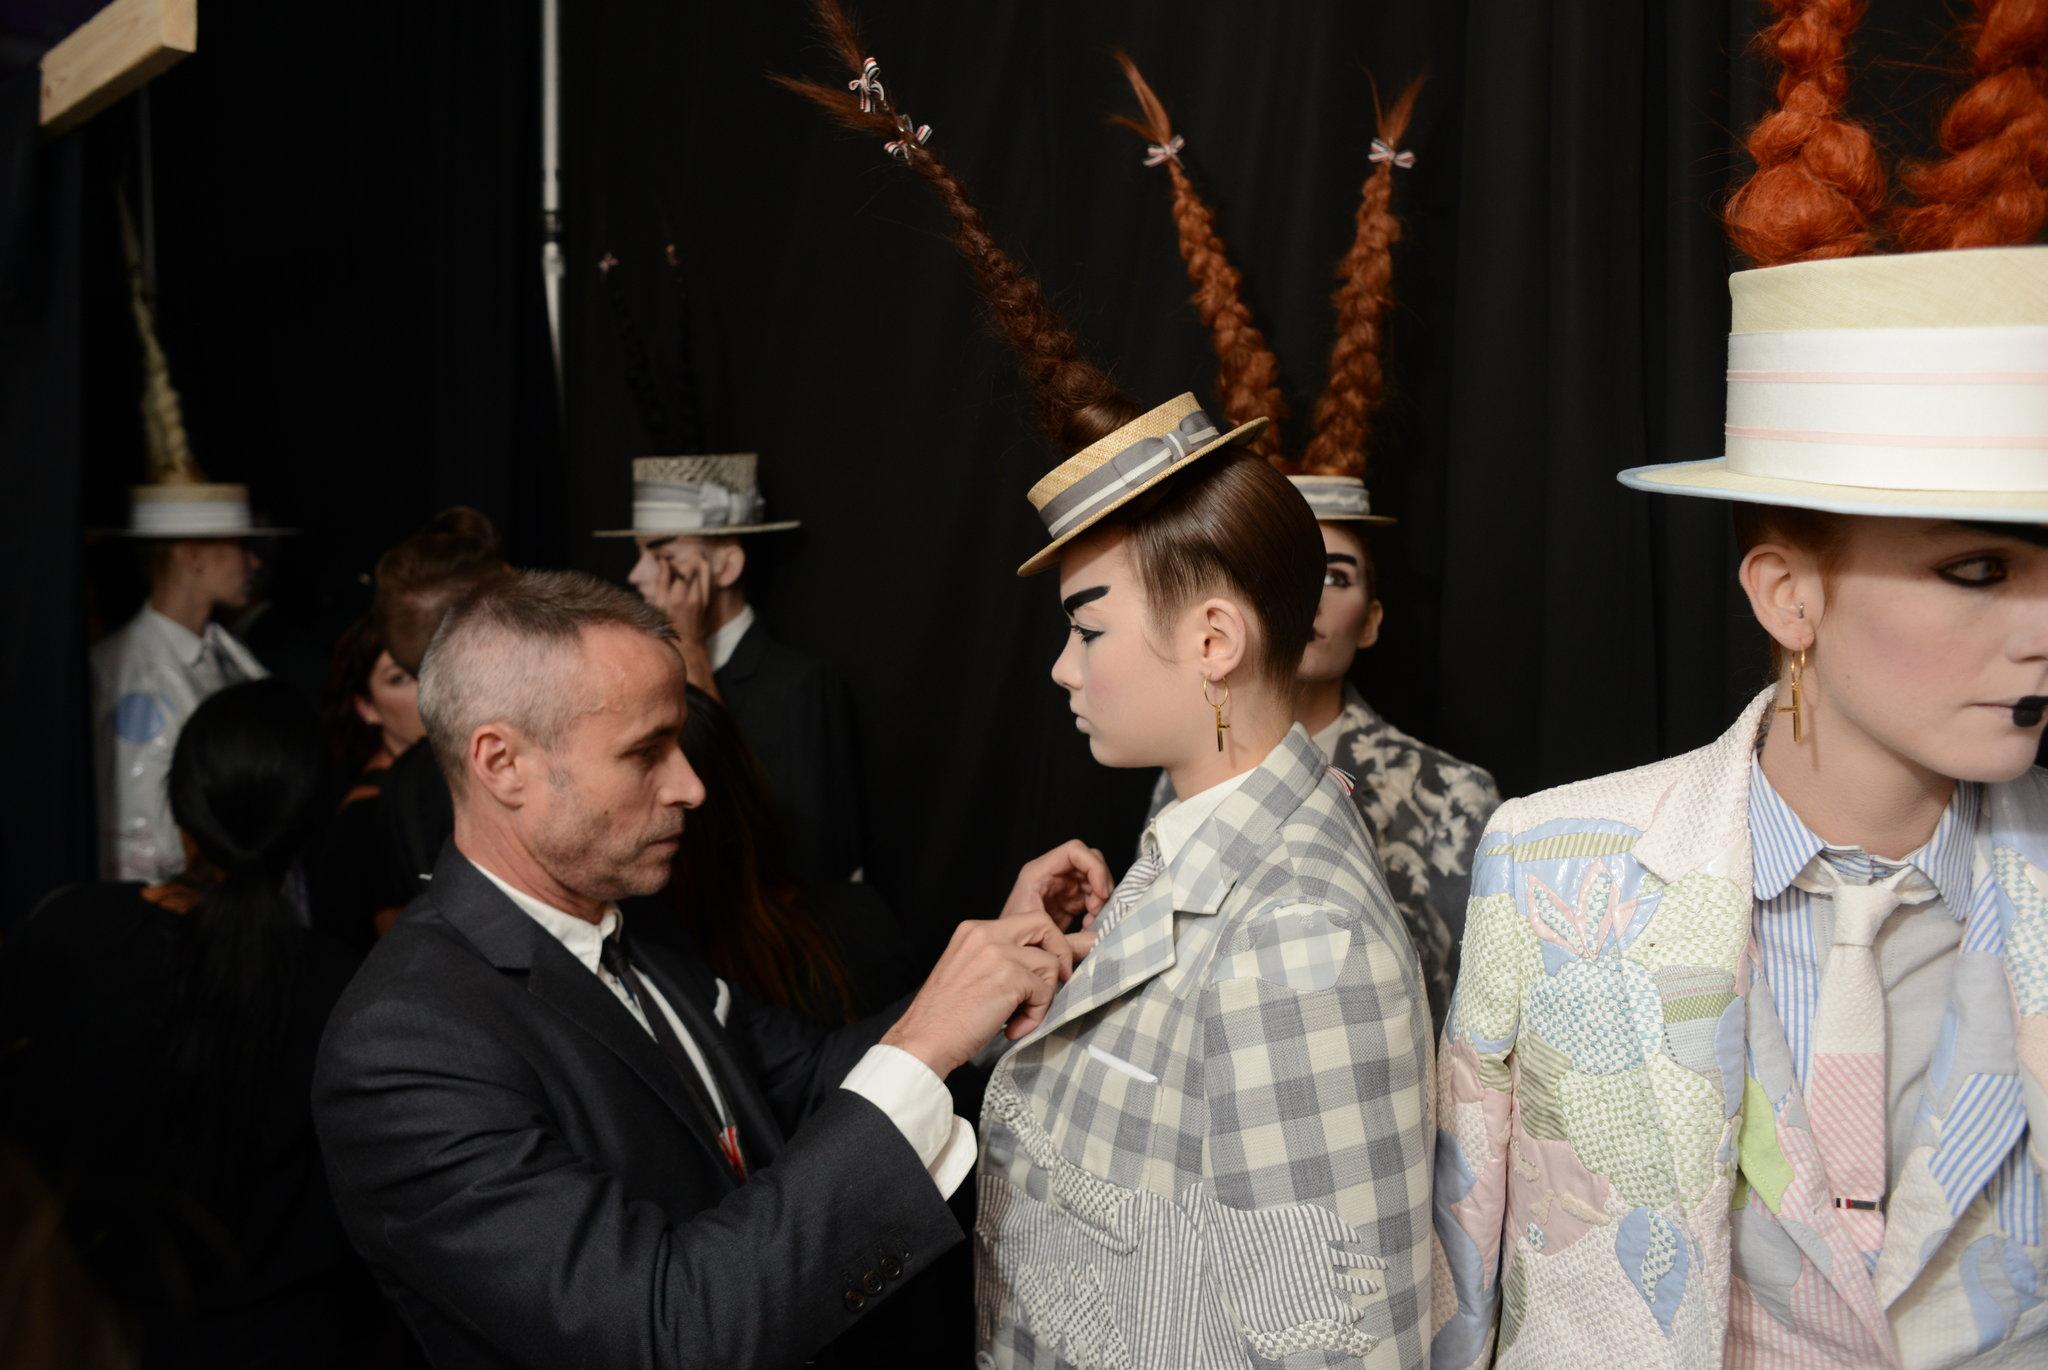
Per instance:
(871,1282)
(855,1300)
(891,1267)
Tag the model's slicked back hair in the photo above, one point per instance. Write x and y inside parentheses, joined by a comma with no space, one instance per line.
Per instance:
(1819,184)
(1990,186)
(1076,402)
(1364,295)
(1247,372)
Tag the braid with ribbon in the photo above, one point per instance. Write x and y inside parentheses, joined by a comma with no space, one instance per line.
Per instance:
(1818,184)
(639,374)
(1247,372)
(1991,187)
(1364,293)
(1076,401)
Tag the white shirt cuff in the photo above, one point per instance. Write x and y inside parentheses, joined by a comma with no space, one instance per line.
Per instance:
(916,1100)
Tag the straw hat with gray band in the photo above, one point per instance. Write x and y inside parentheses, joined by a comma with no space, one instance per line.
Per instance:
(713,495)
(1909,386)
(1330,473)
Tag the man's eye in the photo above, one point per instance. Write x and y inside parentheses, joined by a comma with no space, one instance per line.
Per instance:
(1974,572)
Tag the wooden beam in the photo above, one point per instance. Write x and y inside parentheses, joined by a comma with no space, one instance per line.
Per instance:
(113,53)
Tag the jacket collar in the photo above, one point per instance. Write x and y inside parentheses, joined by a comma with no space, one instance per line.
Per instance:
(1703,814)
(747,652)
(1197,881)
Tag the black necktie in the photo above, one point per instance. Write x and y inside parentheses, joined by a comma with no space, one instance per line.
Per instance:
(614,957)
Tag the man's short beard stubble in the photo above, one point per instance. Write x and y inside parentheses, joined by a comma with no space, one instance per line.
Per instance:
(582,849)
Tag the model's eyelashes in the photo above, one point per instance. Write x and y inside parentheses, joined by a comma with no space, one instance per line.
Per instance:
(1334,579)
(1087,635)
(1975,572)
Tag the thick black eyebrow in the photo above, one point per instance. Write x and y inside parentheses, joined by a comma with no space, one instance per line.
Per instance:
(1341,556)
(2018,532)
(1081,597)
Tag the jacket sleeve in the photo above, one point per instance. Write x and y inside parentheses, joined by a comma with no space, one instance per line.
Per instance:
(451,1177)
(1475,1101)
(1316,1046)
(133,737)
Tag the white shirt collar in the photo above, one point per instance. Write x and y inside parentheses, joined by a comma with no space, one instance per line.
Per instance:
(584,940)
(726,640)
(1174,826)
(189,646)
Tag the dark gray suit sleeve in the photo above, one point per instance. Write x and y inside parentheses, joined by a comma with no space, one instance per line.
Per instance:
(450,1176)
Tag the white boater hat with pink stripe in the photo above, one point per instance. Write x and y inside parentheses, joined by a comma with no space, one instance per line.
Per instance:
(1913,386)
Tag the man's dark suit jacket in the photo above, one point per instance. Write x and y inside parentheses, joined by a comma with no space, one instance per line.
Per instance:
(796,717)
(517,1161)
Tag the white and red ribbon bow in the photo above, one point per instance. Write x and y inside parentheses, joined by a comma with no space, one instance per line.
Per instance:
(869,86)
(1381,152)
(1157,154)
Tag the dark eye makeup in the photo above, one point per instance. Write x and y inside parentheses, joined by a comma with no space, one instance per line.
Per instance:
(1975,572)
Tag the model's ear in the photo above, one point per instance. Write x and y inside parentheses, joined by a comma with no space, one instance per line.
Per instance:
(728,561)
(1222,634)
(1787,592)
(1369,631)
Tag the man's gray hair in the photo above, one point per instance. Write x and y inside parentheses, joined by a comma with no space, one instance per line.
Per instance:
(510,653)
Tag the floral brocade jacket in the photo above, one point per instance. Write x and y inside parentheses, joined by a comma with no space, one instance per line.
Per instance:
(1617,1114)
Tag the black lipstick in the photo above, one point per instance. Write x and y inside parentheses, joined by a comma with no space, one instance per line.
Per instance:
(2026,711)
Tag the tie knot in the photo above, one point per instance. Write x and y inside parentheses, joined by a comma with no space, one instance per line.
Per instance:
(1860,910)
(612,953)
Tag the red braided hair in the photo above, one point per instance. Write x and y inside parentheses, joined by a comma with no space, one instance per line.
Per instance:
(1991,189)
(1818,183)
(1077,402)
(1247,372)
(1365,291)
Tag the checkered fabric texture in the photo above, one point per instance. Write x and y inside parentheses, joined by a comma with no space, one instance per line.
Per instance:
(1216,1151)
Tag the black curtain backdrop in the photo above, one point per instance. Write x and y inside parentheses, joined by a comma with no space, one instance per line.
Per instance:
(351,298)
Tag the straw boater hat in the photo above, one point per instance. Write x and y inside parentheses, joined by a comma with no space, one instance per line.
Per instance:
(177,502)
(702,496)
(1330,472)
(1909,385)
(1914,386)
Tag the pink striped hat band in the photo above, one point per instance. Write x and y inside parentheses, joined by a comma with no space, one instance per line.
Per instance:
(1949,408)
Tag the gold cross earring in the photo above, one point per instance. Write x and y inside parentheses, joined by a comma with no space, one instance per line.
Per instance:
(1222,726)
(1798,669)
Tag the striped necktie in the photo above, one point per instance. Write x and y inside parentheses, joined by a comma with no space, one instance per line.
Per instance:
(1845,1082)
(1136,881)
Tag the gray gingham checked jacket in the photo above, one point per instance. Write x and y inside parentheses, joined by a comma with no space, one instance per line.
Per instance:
(1215,1151)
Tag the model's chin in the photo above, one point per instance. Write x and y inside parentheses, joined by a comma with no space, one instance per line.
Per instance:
(2006,755)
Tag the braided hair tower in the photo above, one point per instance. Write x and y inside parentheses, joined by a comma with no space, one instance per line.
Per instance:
(1247,372)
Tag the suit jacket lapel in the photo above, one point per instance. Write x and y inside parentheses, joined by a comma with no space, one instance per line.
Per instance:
(760,1134)
(513,942)
(746,653)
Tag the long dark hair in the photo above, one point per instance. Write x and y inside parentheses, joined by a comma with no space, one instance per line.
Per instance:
(245,787)
(350,741)
(732,888)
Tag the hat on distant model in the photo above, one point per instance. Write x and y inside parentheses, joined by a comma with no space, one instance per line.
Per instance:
(703,496)
(1330,471)
(177,501)
(1913,384)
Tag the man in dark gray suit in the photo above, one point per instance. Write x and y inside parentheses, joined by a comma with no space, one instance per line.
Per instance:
(555,1147)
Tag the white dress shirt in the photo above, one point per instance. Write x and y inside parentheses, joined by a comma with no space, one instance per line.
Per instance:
(722,644)
(894,1081)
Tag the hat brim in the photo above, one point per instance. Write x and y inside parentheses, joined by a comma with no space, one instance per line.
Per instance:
(1044,558)
(190,534)
(1713,480)
(697,532)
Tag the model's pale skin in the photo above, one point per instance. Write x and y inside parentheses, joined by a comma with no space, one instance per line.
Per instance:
(1137,687)
(197,576)
(1347,622)
(695,582)
(1919,639)
(390,703)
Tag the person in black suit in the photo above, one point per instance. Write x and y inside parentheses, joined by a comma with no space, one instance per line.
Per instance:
(691,516)
(555,1147)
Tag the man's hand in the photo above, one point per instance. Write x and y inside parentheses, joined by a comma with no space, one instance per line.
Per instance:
(682,591)
(1071,881)
(998,973)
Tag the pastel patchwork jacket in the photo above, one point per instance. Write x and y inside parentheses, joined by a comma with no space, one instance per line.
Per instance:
(1215,1151)
(1618,1111)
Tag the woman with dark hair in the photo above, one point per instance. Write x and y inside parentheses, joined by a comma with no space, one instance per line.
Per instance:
(833,952)
(1215,1145)
(1747,1063)
(161,1042)
(370,711)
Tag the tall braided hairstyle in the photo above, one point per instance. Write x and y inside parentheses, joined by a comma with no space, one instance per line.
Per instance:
(1247,372)
(1818,184)
(1990,189)
(1365,291)
(1235,522)
(1076,401)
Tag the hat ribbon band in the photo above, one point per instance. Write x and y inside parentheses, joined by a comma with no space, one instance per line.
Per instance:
(1125,471)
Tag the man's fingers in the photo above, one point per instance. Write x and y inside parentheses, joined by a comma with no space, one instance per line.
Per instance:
(1038,931)
(1079,944)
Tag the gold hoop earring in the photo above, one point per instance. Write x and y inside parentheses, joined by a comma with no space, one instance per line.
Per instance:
(1222,725)
(1798,719)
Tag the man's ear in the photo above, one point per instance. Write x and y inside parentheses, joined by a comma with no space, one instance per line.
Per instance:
(1785,592)
(1369,631)
(495,754)
(728,561)
(1224,637)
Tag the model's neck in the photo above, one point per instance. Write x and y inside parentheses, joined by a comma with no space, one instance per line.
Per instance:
(1850,790)
(182,603)
(1318,702)
(1257,723)
(493,846)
